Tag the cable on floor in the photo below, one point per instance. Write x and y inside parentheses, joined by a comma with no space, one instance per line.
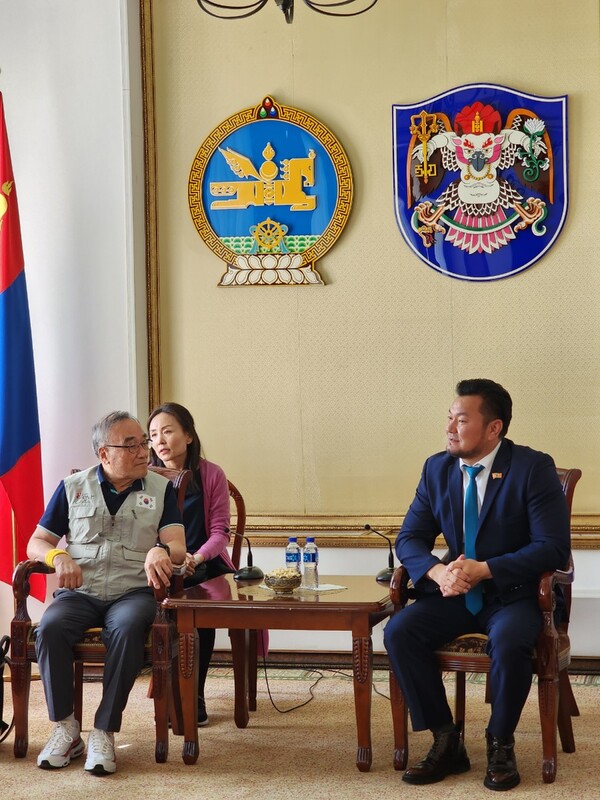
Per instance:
(311,687)
(300,705)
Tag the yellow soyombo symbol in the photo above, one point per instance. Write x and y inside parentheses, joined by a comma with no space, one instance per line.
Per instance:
(266,189)
(6,190)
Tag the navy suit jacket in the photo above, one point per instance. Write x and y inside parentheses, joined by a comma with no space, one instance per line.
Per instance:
(524,524)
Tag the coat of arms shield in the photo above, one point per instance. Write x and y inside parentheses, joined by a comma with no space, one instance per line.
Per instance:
(480,179)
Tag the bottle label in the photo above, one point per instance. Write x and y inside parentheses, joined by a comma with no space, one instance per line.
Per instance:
(292,558)
(310,558)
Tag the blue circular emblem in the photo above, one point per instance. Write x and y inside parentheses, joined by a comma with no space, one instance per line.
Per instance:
(270,191)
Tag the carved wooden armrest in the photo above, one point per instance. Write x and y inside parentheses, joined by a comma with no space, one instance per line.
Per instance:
(546,596)
(548,641)
(399,591)
(20,584)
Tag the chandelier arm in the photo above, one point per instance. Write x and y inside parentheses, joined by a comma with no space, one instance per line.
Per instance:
(319,8)
(255,6)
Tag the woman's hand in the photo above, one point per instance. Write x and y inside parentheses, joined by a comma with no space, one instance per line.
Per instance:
(192,560)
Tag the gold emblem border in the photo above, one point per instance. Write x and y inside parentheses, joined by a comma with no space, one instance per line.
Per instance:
(310,124)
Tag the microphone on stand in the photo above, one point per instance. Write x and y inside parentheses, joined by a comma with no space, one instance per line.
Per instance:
(249,572)
(384,575)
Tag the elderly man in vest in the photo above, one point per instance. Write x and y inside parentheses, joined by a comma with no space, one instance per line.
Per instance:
(124,537)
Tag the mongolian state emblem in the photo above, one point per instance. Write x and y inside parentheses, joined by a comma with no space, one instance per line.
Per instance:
(480,179)
(270,191)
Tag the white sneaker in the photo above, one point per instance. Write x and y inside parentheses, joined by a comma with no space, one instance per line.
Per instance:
(101,753)
(64,744)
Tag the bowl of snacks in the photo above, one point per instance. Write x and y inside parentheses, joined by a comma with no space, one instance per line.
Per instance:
(283,580)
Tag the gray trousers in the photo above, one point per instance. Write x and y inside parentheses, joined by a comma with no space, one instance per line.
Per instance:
(124,622)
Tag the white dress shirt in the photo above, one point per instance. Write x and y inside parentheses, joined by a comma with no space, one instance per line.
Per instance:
(481,479)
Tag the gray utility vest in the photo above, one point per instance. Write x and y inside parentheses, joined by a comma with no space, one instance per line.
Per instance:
(111,550)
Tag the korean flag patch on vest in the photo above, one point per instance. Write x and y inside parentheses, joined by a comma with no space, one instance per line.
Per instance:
(145,501)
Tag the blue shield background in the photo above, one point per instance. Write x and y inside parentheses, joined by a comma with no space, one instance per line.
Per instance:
(526,248)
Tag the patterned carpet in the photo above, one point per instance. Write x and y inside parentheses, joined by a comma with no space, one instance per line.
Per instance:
(308,750)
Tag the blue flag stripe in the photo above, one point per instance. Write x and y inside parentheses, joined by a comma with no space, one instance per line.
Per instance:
(19,426)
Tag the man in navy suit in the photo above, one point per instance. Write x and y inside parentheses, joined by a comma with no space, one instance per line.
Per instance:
(522,531)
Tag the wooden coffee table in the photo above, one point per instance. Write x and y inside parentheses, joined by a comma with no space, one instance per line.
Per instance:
(222,603)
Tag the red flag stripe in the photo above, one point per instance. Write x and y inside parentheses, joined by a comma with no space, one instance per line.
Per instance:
(11,250)
(22,494)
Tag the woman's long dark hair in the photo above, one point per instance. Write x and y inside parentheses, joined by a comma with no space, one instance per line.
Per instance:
(185,419)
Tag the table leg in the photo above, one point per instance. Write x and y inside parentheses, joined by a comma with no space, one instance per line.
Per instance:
(175,702)
(188,687)
(253,666)
(362,663)
(239,655)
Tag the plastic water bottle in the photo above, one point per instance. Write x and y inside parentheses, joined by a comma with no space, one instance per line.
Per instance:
(310,561)
(292,554)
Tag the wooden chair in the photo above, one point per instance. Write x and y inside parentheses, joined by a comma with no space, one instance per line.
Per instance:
(237,532)
(467,654)
(90,650)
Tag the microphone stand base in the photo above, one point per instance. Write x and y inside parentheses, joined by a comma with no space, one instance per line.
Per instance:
(248,574)
(385,576)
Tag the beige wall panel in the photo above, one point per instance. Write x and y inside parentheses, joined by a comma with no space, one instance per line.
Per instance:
(327,400)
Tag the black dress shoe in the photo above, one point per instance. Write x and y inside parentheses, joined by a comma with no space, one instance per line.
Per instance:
(446,757)
(502,771)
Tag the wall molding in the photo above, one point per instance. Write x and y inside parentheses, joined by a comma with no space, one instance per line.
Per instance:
(348,531)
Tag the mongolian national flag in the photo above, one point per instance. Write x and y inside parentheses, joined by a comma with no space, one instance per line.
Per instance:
(21,492)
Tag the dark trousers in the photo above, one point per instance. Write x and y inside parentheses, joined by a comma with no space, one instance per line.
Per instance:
(413,634)
(124,624)
(206,641)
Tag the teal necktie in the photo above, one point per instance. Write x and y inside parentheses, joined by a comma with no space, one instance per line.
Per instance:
(474,597)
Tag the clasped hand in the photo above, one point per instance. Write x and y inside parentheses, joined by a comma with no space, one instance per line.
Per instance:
(461,575)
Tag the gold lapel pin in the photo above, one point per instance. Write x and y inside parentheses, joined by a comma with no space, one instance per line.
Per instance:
(496,475)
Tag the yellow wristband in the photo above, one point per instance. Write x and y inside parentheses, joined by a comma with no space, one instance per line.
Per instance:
(51,555)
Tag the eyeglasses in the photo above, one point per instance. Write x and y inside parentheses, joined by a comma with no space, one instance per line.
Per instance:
(133,447)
